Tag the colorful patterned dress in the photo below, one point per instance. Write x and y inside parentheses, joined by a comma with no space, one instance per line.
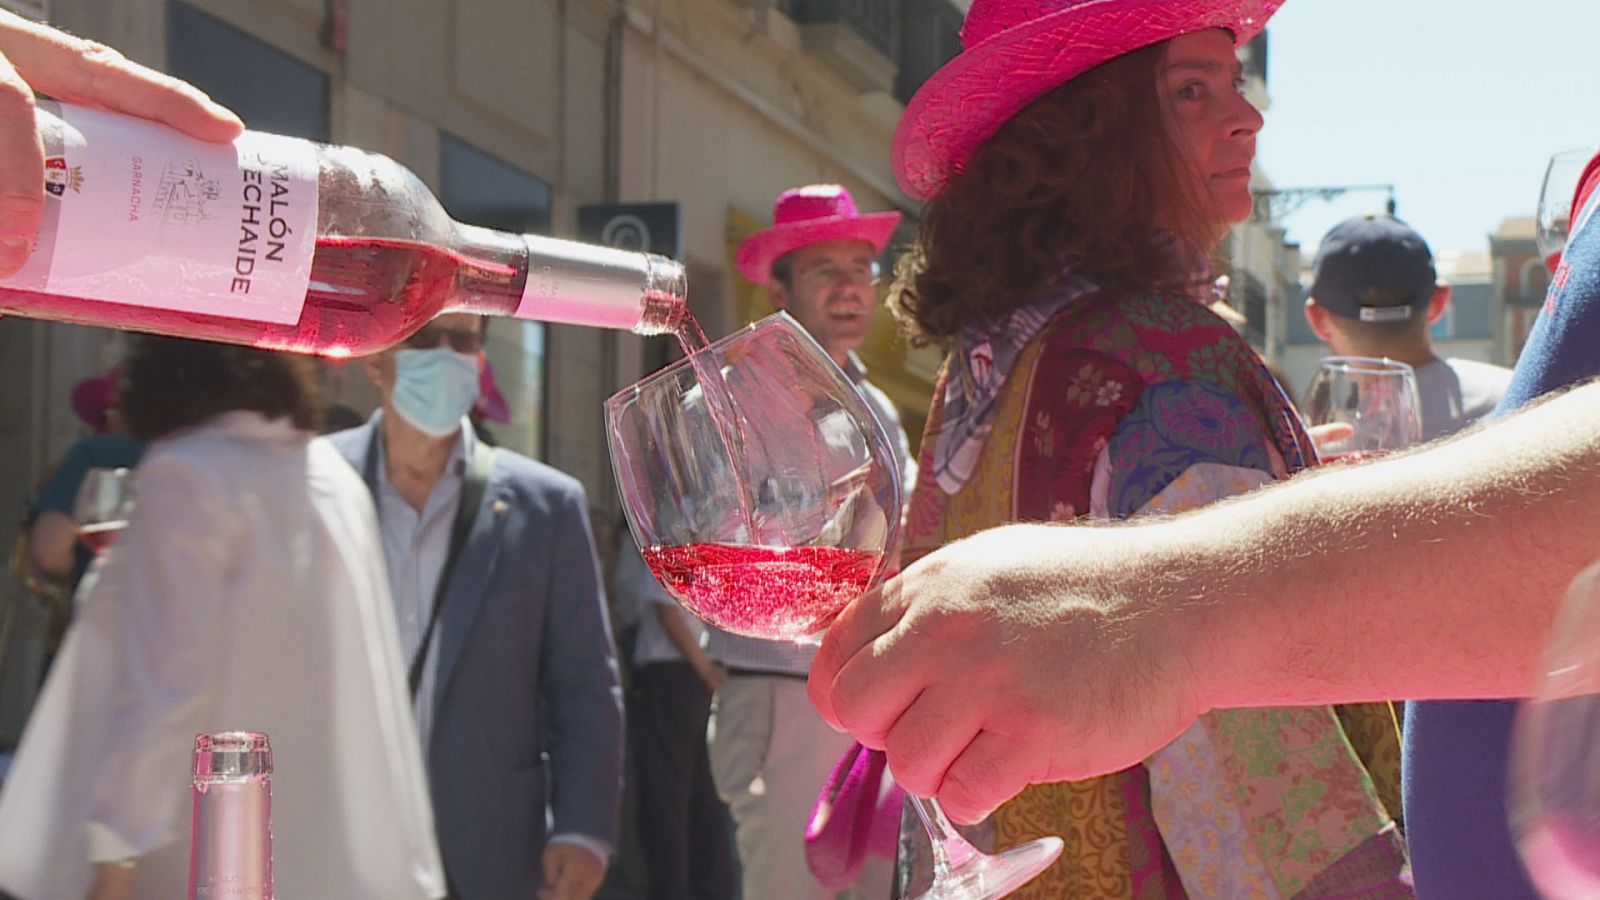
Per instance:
(1130,406)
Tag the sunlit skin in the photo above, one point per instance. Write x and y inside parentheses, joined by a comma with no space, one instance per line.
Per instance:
(1201,79)
(831,293)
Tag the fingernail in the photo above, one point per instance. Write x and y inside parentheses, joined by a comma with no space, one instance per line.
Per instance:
(13,253)
(226,113)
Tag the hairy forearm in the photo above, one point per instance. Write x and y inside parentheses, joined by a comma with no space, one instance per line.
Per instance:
(1431,575)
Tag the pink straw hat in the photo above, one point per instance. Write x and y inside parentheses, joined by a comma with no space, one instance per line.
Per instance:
(811,215)
(1016,51)
(93,398)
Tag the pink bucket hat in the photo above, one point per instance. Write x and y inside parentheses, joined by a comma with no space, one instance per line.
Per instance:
(811,215)
(1016,51)
(93,398)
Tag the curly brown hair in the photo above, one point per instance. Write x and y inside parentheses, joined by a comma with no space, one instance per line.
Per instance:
(169,384)
(1089,174)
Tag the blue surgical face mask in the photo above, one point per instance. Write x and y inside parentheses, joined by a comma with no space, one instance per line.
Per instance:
(434,388)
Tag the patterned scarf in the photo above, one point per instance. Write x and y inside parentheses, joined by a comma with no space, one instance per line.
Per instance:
(982,358)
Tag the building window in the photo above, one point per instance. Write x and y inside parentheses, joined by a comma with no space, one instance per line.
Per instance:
(475,187)
(872,20)
(1535,282)
(930,36)
(479,189)
(1297,330)
(1254,57)
(1470,316)
(271,90)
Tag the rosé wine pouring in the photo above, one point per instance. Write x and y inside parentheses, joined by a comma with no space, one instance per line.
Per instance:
(765,496)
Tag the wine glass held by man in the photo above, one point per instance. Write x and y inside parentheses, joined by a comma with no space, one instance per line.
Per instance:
(1081,162)
(35,57)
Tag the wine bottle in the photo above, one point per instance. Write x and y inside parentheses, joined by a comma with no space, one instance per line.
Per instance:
(230,843)
(292,245)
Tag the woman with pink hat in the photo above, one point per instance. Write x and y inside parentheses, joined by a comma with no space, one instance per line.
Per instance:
(1081,161)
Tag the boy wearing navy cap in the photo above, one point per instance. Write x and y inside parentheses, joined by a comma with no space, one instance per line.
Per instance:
(1374,292)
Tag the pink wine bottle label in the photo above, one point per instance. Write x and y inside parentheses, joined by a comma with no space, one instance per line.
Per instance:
(136,213)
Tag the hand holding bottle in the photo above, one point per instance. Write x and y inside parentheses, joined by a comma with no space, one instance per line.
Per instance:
(37,57)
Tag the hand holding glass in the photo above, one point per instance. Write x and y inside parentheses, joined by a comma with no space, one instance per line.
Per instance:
(1375,399)
(104,502)
(765,496)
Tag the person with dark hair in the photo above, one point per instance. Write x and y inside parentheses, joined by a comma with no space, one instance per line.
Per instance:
(682,824)
(247,592)
(54,554)
(1081,163)
(501,614)
(770,751)
(1375,292)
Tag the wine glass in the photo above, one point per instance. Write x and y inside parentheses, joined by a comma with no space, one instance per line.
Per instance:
(764,494)
(104,501)
(1555,764)
(1375,399)
(1554,217)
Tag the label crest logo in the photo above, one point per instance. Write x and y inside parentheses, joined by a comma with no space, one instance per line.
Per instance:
(58,176)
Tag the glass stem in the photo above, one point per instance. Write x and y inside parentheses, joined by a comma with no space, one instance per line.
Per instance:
(950,849)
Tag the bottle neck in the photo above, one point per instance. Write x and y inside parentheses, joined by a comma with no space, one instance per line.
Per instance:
(601,287)
(552,280)
(491,273)
(230,844)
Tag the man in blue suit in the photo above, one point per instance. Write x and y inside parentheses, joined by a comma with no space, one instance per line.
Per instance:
(501,617)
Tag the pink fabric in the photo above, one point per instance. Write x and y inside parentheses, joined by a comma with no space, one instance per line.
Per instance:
(93,397)
(491,404)
(811,215)
(857,814)
(1015,51)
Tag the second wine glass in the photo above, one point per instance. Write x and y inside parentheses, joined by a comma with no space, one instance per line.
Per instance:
(1554,217)
(105,500)
(765,496)
(1375,399)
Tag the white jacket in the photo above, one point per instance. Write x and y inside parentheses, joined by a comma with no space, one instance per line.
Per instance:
(247,593)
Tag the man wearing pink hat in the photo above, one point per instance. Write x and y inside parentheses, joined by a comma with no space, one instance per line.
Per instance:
(818,263)
(770,751)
